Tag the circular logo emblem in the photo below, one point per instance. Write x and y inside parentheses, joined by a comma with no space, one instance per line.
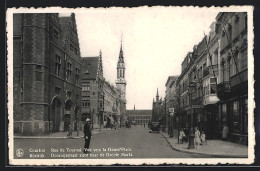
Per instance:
(19,152)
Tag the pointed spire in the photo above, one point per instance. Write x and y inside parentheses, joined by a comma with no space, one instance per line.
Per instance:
(100,53)
(157,95)
(121,49)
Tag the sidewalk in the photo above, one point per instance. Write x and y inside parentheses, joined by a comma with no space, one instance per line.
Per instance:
(60,135)
(214,148)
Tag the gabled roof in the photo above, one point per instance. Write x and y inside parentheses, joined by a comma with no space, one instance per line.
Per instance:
(89,67)
(171,79)
(138,112)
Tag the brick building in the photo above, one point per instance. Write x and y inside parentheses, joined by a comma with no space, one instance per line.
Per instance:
(140,117)
(92,90)
(47,73)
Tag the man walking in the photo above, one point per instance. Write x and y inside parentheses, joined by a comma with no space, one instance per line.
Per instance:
(87,135)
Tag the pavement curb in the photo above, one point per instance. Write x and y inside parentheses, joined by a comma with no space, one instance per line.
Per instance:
(64,137)
(200,153)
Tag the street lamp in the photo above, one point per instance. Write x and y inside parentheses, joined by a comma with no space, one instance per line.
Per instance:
(171,124)
(191,89)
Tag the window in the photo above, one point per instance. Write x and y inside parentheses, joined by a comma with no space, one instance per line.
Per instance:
(56,34)
(57,65)
(71,47)
(85,86)
(243,60)
(57,90)
(69,71)
(86,101)
(213,85)
(68,94)
(38,73)
(236,63)
(77,76)
(223,70)
(76,50)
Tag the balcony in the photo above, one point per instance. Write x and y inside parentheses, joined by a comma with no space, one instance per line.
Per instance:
(208,71)
(223,89)
(210,99)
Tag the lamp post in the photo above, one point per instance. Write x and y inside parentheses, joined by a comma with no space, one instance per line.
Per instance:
(191,135)
(171,124)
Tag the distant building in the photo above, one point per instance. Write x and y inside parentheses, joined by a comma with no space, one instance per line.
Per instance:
(157,108)
(170,98)
(112,105)
(47,73)
(140,117)
(92,90)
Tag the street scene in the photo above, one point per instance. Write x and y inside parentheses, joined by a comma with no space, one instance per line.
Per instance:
(138,83)
(136,142)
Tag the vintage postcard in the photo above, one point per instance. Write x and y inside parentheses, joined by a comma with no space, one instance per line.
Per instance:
(144,85)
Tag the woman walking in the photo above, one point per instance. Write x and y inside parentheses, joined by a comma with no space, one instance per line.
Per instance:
(197,138)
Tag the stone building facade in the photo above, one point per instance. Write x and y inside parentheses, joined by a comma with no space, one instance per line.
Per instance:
(47,73)
(213,84)
(112,105)
(232,87)
(170,93)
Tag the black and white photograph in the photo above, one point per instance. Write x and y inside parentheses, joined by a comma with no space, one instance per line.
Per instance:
(144,85)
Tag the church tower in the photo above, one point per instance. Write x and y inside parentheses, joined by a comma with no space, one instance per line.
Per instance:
(121,82)
(157,96)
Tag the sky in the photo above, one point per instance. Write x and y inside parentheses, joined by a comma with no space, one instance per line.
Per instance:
(155,42)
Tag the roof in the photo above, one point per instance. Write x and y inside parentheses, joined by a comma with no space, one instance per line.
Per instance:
(90,66)
(138,112)
(171,79)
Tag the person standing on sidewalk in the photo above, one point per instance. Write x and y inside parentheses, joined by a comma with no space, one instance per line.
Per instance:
(87,135)
(197,138)
(225,132)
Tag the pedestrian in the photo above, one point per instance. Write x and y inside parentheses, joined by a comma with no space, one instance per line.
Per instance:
(197,138)
(203,138)
(87,135)
(182,136)
(225,132)
(70,131)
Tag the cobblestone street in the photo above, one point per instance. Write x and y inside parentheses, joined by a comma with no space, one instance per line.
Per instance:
(135,142)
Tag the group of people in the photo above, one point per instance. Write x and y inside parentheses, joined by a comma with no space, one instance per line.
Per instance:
(199,138)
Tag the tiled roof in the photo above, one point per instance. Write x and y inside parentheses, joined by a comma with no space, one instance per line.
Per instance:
(138,112)
(90,66)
